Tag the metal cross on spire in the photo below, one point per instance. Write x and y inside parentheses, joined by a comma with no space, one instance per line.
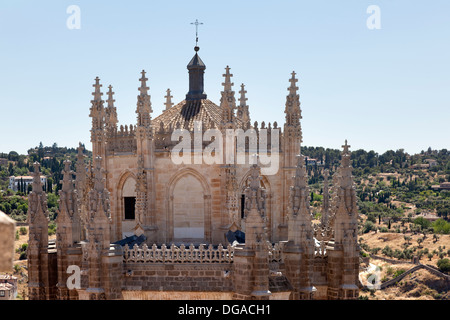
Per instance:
(196,23)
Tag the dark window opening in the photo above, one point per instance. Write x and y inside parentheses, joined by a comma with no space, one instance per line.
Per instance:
(129,204)
(242,206)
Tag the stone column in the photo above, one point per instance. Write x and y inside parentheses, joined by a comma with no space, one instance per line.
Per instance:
(343,253)
(251,261)
(103,260)
(37,253)
(299,250)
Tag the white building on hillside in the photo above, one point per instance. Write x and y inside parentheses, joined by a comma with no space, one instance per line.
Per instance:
(14,181)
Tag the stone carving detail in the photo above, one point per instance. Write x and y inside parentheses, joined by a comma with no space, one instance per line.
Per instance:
(181,254)
(37,199)
(141,194)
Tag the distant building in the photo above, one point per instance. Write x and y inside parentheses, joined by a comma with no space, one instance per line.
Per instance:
(8,287)
(428,216)
(431,162)
(14,181)
(313,162)
(420,166)
(442,186)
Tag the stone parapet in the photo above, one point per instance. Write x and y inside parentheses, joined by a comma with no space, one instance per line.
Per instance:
(177,277)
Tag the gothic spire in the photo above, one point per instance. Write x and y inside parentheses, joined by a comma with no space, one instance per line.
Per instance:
(292,129)
(37,199)
(169,102)
(68,219)
(227,85)
(299,250)
(346,178)
(98,196)
(144,106)
(227,101)
(97,110)
(242,110)
(345,202)
(97,113)
(292,110)
(97,92)
(110,111)
(143,89)
(345,223)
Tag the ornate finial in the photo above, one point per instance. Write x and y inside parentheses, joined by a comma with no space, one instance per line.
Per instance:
(110,97)
(243,110)
(326,174)
(143,89)
(196,23)
(37,184)
(169,102)
(243,99)
(97,93)
(227,84)
(36,166)
(293,87)
(67,182)
(346,147)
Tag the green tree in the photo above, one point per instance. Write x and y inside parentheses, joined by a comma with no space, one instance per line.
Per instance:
(443,265)
(422,222)
(441,226)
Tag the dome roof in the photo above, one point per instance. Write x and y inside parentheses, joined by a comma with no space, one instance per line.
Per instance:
(183,115)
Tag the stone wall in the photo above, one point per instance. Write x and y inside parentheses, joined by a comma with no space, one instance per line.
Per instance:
(177,277)
(413,269)
(208,207)
(7,229)
(175,295)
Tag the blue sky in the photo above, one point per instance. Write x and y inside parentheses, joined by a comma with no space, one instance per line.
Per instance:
(381,89)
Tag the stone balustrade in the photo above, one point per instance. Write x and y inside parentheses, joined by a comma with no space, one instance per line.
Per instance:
(190,254)
(181,254)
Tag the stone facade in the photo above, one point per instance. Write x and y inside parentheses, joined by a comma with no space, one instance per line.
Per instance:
(179,214)
(7,231)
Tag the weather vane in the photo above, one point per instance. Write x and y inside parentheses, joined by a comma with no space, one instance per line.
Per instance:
(196,23)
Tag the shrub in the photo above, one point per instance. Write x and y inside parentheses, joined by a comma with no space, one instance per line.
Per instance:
(388,251)
(444,265)
(389,270)
(51,229)
(399,272)
(23,231)
(441,226)
(368,226)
